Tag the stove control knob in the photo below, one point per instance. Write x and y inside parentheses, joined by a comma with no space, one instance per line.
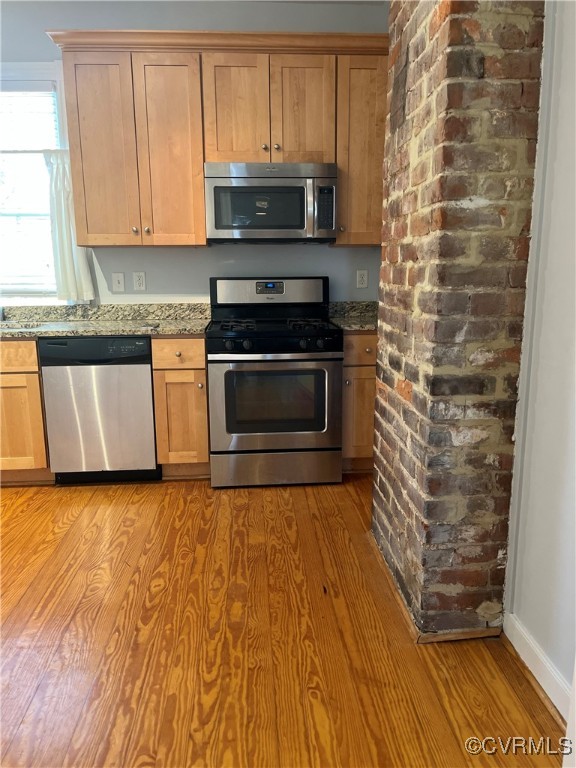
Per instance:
(320,343)
(247,344)
(303,343)
(229,345)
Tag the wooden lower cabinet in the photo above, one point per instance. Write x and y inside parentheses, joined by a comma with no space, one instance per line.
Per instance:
(22,440)
(358,395)
(180,403)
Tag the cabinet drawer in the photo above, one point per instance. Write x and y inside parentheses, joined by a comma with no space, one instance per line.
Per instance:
(18,356)
(360,349)
(178,353)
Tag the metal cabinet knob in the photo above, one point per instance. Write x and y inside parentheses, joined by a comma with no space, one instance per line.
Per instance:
(178,354)
(347,382)
(147,230)
(200,386)
(368,349)
(135,230)
(342,229)
(265,146)
(276,146)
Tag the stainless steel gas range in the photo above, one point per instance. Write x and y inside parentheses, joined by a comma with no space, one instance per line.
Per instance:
(274,382)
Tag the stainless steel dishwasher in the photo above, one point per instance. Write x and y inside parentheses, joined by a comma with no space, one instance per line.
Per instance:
(99,407)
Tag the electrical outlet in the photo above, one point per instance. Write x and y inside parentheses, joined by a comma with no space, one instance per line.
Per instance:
(139,281)
(361,278)
(117,282)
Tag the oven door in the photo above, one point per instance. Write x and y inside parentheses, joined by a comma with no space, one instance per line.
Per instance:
(275,405)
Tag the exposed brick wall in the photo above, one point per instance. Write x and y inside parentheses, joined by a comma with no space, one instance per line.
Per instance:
(458,181)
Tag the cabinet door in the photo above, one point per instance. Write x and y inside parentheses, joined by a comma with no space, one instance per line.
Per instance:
(236,107)
(359,392)
(360,148)
(21,424)
(181,416)
(100,110)
(168,111)
(303,108)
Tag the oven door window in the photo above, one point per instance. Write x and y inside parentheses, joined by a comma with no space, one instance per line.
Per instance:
(260,207)
(264,402)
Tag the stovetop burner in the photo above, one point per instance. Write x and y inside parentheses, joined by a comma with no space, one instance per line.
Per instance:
(283,315)
(237,325)
(277,326)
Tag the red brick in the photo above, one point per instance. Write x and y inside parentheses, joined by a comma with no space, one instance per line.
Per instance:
(464,62)
(465,577)
(535,36)
(517,275)
(475,554)
(487,303)
(470,157)
(481,94)
(515,301)
(531,94)
(513,125)
(439,16)
(458,128)
(404,389)
(463,217)
(438,601)
(420,172)
(519,65)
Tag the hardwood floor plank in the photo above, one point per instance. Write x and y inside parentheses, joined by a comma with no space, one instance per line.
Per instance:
(358,741)
(208,698)
(478,702)
(305,732)
(66,682)
(46,607)
(509,664)
(181,678)
(262,733)
(31,536)
(94,738)
(389,690)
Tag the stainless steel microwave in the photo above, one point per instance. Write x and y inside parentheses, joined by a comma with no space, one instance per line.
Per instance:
(270,201)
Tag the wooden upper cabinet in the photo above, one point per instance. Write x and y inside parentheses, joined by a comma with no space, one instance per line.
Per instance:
(303,108)
(236,107)
(168,109)
(135,131)
(260,107)
(100,111)
(360,148)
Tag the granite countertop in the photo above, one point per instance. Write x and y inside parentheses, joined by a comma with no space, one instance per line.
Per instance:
(147,319)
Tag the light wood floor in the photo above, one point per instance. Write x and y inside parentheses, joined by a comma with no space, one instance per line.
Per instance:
(174,625)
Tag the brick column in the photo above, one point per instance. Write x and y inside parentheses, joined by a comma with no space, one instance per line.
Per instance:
(458,181)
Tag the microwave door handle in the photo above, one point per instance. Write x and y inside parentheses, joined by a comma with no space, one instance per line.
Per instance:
(311,208)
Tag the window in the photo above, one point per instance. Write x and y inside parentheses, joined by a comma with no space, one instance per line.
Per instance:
(28,125)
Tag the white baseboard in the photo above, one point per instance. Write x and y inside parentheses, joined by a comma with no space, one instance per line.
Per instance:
(533,655)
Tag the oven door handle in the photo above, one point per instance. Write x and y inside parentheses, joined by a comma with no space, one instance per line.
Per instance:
(224,357)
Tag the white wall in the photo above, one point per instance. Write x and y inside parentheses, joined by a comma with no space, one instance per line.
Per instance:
(181,274)
(23,37)
(541,579)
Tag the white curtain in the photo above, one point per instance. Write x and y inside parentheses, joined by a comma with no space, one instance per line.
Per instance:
(73,278)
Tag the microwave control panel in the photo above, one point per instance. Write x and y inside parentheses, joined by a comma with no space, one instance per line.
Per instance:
(325,208)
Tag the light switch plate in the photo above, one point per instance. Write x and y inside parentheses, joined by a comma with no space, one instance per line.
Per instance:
(117,282)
